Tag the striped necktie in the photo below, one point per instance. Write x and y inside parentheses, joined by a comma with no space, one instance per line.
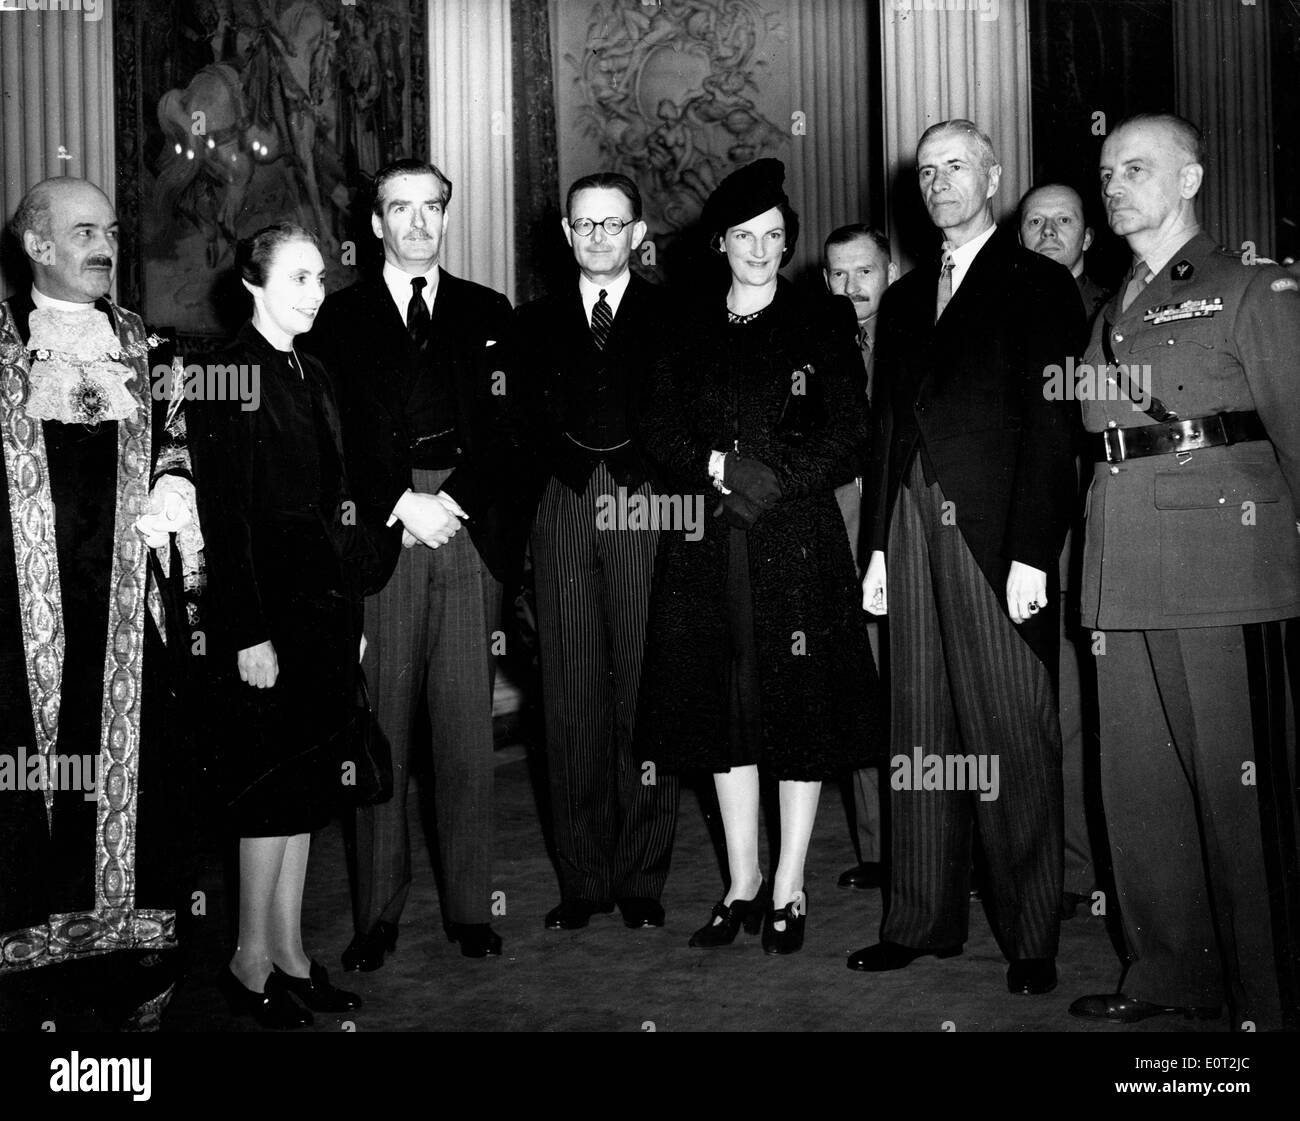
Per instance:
(602,321)
(944,292)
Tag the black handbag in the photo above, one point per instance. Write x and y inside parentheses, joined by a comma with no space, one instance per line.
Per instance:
(365,756)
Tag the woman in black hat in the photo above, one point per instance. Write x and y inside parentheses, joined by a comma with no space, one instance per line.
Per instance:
(757,651)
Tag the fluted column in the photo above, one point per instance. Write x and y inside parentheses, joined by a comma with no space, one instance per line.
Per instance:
(1221,60)
(939,64)
(56,100)
(834,86)
(470,125)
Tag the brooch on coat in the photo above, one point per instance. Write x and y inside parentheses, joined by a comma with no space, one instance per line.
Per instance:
(804,411)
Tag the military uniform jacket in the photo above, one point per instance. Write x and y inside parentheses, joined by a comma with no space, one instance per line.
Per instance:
(1204,538)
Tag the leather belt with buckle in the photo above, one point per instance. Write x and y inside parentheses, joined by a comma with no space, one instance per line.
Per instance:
(1115,445)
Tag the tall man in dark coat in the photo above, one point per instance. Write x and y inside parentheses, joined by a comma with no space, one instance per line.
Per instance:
(591,349)
(1052,223)
(857,262)
(973,488)
(94,740)
(423,362)
(1191,566)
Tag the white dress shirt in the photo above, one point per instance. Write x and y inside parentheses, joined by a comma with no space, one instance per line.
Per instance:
(614,289)
(963,255)
(399,287)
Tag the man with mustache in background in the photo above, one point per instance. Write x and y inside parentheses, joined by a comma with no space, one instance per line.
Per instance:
(422,362)
(856,263)
(99,512)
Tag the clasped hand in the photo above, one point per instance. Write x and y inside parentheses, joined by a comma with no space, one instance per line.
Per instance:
(258,665)
(426,520)
(1026,591)
(754,490)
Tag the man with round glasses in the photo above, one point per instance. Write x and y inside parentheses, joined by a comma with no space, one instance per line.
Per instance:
(593,344)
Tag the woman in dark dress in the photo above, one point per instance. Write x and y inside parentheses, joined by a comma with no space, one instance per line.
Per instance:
(282,551)
(757,652)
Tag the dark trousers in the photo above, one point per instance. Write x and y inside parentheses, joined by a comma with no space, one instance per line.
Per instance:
(866,780)
(963,682)
(1080,867)
(1198,783)
(430,630)
(613,821)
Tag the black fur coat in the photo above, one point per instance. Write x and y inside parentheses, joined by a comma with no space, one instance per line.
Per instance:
(784,387)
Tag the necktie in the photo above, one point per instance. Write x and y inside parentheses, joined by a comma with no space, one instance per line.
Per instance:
(602,319)
(1140,278)
(417,314)
(864,344)
(944,293)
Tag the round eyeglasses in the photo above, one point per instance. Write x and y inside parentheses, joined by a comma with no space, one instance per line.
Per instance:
(583,227)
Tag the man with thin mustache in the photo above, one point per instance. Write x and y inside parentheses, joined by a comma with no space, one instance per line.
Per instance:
(423,362)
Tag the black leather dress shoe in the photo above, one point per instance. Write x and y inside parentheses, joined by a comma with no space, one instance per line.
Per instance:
(273,1007)
(865,875)
(366,951)
(639,912)
(477,939)
(316,992)
(574,914)
(1032,976)
(1116,1008)
(887,956)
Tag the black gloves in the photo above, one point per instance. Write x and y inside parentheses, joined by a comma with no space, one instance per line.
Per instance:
(751,477)
(735,509)
(754,490)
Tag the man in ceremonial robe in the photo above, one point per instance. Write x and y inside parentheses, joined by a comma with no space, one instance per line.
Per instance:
(94,640)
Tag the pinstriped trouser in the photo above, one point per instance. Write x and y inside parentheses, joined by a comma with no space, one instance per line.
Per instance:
(963,681)
(613,832)
(431,627)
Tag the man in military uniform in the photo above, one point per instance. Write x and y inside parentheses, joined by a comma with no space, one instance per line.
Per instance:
(1191,571)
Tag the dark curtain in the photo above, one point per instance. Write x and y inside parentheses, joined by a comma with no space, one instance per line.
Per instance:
(537,157)
(1088,56)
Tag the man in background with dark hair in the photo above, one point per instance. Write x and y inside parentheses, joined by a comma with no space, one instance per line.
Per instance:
(856,263)
(591,348)
(423,362)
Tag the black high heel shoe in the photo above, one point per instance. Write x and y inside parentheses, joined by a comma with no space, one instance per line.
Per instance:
(316,992)
(272,1008)
(740,912)
(790,940)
